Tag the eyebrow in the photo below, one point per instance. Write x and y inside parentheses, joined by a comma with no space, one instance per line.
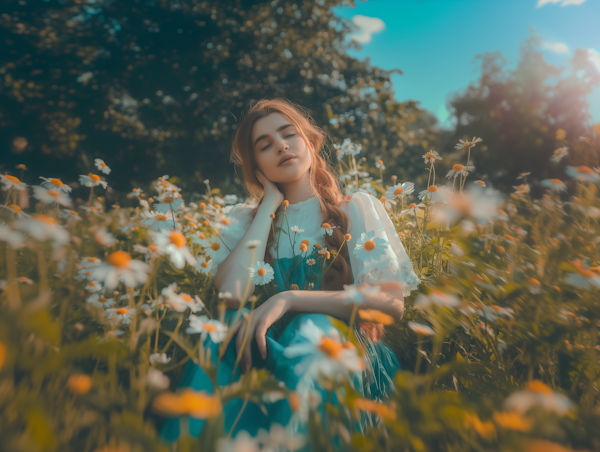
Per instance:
(265,136)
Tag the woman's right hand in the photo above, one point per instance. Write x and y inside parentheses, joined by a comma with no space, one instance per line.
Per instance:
(273,197)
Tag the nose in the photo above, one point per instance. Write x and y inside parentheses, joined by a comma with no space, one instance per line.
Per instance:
(282,147)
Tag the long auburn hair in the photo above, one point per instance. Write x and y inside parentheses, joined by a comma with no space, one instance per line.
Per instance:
(324,180)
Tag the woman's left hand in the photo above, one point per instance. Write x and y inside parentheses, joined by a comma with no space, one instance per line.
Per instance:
(262,318)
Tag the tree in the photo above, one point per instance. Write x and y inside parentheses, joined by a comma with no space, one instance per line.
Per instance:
(518,114)
(157,87)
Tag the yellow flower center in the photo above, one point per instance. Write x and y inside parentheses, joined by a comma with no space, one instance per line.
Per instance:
(330,347)
(326,226)
(186,297)
(94,177)
(13,179)
(430,156)
(369,245)
(39,216)
(79,384)
(15,208)
(432,188)
(92,283)
(57,182)
(458,167)
(152,247)
(261,272)
(177,239)
(168,199)
(54,194)
(122,311)
(119,259)
(412,205)
(398,191)
(102,300)
(102,164)
(209,327)
(225,221)
(584,169)
(538,386)
(556,181)
(203,264)
(215,246)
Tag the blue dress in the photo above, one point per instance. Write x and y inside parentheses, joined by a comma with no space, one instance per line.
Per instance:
(252,419)
(367,216)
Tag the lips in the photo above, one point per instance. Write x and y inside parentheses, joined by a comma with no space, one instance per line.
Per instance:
(286,158)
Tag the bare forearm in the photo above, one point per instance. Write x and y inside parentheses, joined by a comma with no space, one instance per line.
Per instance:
(334,303)
(236,267)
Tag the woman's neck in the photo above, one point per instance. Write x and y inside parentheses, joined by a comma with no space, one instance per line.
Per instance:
(298,190)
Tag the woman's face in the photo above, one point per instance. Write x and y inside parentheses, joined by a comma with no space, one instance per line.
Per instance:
(274,138)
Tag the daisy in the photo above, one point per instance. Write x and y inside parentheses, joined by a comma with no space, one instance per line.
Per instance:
(174,244)
(151,250)
(158,221)
(168,202)
(93,209)
(123,315)
(439,298)
(206,327)
(51,196)
(323,353)
(13,208)
(25,280)
(400,190)
(56,184)
(203,266)
(160,358)
(522,175)
(538,393)
(388,203)
(12,182)
(104,238)
(432,194)
(521,189)
(120,267)
(102,166)
(70,215)
(326,228)
(212,247)
(556,185)
(13,238)
(92,180)
(89,262)
(379,163)
(582,173)
(307,246)
(459,169)
(41,228)
(135,193)
(421,329)
(311,262)
(431,156)
(370,248)
(413,209)
(231,199)
(93,286)
(296,230)
(467,144)
(261,273)
(181,301)
(559,154)
(100,301)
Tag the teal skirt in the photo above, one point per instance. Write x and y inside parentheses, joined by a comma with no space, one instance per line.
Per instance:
(375,384)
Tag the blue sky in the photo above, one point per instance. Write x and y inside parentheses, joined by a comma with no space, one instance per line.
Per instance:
(434,42)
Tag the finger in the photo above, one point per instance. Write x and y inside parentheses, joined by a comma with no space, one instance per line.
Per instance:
(247,353)
(240,337)
(231,333)
(261,331)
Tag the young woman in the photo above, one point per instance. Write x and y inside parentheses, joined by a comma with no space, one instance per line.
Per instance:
(278,148)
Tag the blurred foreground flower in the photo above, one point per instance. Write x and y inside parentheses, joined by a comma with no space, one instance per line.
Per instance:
(120,267)
(199,405)
(538,394)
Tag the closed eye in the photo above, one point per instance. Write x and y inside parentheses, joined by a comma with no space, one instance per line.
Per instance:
(270,143)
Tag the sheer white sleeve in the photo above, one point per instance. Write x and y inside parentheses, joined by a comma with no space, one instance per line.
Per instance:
(239,218)
(368,216)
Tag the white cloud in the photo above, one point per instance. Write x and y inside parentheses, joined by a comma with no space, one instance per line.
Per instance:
(594,57)
(541,3)
(368,26)
(556,47)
